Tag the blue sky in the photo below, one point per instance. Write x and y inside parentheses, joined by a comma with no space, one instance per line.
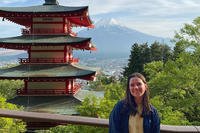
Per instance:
(156,17)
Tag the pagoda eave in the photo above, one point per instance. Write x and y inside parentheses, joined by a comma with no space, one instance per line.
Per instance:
(87,77)
(25,18)
(25,42)
(40,14)
(43,10)
(15,46)
(53,104)
(27,46)
(47,71)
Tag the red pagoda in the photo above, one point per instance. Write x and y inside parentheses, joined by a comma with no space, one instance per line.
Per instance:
(50,68)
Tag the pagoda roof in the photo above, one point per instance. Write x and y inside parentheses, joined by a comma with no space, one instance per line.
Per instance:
(44,9)
(23,15)
(49,104)
(44,40)
(47,71)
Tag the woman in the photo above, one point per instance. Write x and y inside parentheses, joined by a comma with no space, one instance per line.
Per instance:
(134,114)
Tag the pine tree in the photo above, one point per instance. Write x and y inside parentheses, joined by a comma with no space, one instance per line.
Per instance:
(139,55)
(142,54)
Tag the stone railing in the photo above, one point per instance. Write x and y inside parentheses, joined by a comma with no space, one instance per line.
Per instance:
(80,120)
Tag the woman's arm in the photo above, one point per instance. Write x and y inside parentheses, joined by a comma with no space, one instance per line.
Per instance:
(156,122)
(114,119)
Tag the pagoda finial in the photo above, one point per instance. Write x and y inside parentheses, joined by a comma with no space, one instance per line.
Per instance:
(51,2)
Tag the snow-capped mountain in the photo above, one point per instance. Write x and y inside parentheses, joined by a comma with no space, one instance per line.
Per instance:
(111,37)
(106,22)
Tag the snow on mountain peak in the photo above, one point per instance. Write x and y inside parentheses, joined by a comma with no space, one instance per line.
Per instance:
(106,22)
(113,21)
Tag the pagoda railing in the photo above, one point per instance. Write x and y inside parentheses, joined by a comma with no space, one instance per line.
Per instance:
(47,31)
(42,92)
(41,60)
(80,120)
(49,91)
(47,60)
(42,31)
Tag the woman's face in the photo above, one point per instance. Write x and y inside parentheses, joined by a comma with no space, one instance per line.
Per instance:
(137,87)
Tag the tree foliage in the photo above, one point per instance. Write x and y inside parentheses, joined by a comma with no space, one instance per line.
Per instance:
(142,54)
(139,55)
(168,115)
(8,88)
(101,80)
(8,125)
(177,82)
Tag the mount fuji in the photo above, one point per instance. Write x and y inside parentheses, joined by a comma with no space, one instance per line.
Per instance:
(113,38)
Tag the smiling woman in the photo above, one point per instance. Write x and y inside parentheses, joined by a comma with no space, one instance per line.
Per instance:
(134,114)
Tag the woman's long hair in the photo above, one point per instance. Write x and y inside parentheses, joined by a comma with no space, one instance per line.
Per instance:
(130,101)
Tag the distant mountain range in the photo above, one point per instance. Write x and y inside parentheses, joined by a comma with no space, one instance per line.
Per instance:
(110,37)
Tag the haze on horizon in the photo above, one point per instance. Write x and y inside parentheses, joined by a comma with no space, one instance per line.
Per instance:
(155,17)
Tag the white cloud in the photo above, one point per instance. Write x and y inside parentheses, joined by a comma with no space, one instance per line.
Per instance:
(156,17)
(11,1)
(169,8)
(158,27)
(143,7)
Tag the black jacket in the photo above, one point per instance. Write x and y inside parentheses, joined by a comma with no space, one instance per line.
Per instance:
(119,118)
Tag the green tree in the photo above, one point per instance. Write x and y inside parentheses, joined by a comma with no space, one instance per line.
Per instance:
(8,125)
(188,38)
(178,80)
(178,85)
(168,115)
(8,88)
(101,80)
(188,42)
(142,54)
(160,52)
